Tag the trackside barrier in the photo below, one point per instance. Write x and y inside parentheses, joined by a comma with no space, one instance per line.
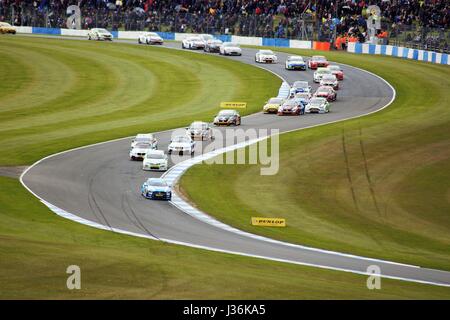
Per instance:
(133,35)
(401,52)
(353,47)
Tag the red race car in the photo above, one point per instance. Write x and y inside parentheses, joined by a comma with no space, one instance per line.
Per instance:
(337,71)
(326,92)
(317,61)
(292,107)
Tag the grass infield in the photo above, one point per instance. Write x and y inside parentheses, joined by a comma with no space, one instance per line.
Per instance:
(375,186)
(56,95)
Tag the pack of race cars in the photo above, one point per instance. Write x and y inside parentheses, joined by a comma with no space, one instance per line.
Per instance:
(300,100)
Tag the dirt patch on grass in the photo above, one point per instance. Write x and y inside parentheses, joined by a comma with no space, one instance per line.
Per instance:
(12,172)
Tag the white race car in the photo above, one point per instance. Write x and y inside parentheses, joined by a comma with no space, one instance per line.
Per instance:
(193,42)
(181,145)
(150,38)
(230,49)
(295,63)
(200,130)
(139,150)
(319,73)
(265,56)
(300,86)
(206,37)
(155,160)
(99,34)
(330,80)
(317,105)
(145,138)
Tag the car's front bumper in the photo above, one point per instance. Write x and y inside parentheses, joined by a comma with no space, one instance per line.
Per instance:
(157,195)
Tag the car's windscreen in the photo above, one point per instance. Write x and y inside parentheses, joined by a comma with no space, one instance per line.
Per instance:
(102,30)
(142,145)
(195,39)
(323,90)
(142,139)
(180,139)
(334,68)
(290,103)
(266,52)
(198,126)
(226,113)
(275,101)
(155,156)
(157,183)
(318,58)
(230,45)
(152,34)
(324,71)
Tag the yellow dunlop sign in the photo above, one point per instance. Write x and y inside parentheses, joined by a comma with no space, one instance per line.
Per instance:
(233,105)
(268,222)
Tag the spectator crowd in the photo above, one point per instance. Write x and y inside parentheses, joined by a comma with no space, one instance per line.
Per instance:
(321,19)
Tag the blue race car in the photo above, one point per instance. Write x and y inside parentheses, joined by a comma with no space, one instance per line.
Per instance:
(156,188)
(295,63)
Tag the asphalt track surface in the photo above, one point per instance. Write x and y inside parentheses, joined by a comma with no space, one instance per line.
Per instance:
(99,183)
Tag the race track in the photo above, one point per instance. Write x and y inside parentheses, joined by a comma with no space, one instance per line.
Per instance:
(100,184)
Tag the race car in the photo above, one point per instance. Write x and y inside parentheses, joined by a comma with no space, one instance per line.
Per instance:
(156,188)
(317,105)
(206,37)
(300,86)
(155,160)
(145,138)
(265,56)
(230,49)
(304,97)
(181,145)
(337,71)
(295,63)
(150,38)
(318,74)
(291,107)
(227,118)
(326,92)
(5,27)
(99,34)
(213,45)
(193,43)
(330,80)
(139,150)
(272,105)
(317,61)
(200,130)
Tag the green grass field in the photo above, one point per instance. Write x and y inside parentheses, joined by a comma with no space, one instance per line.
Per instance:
(375,186)
(118,83)
(56,94)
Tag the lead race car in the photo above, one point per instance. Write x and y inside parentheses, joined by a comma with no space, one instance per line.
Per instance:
(156,188)
(150,38)
(99,34)
(139,150)
(295,63)
(265,56)
(145,138)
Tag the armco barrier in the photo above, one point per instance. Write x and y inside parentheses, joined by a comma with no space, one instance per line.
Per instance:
(401,52)
(255,41)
